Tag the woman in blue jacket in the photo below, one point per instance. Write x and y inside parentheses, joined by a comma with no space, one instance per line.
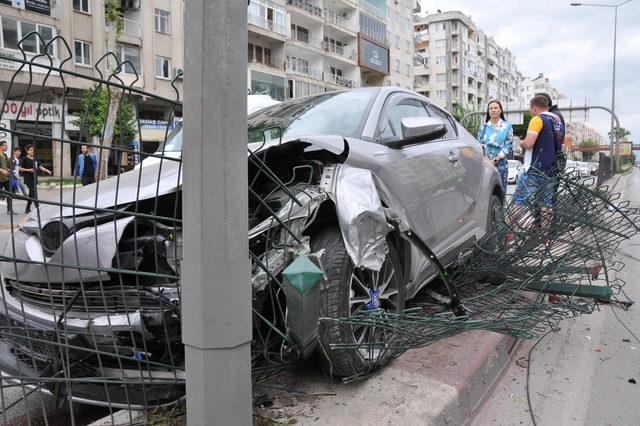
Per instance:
(496,134)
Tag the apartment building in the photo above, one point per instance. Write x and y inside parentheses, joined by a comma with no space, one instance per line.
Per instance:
(303,47)
(457,64)
(539,84)
(151,39)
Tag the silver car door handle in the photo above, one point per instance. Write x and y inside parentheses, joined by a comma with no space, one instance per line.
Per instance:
(452,157)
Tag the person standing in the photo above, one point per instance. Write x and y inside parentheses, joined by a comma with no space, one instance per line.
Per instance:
(5,177)
(86,166)
(30,168)
(15,169)
(553,109)
(542,145)
(496,134)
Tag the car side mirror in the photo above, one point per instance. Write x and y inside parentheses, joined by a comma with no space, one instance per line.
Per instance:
(419,129)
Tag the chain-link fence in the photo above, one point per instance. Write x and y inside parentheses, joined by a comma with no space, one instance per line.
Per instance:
(91,309)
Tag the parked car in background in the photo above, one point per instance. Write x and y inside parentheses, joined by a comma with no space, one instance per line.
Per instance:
(362,165)
(584,168)
(514,171)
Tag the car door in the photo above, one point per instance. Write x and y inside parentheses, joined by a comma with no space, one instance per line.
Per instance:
(422,177)
(471,160)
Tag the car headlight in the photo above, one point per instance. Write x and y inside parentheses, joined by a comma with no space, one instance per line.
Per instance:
(53,235)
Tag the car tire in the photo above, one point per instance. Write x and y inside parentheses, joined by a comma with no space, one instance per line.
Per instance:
(493,211)
(338,300)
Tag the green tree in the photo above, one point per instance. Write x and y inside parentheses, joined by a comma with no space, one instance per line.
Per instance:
(93,120)
(589,147)
(520,130)
(622,132)
(472,124)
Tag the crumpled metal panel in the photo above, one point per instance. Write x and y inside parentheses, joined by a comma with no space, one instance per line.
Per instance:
(361,217)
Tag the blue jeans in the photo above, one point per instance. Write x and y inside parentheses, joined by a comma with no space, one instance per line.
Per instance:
(534,188)
(504,171)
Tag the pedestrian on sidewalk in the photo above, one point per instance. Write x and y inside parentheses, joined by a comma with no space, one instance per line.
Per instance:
(86,166)
(496,134)
(542,145)
(553,109)
(18,180)
(30,169)
(5,178)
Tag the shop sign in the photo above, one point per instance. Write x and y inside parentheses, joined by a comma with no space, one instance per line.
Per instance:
(49,113)
(38,6)
(153,124)
(12,60)
(373,56)
(626,149)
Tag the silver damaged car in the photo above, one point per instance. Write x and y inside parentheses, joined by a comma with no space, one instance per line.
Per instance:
(364,165)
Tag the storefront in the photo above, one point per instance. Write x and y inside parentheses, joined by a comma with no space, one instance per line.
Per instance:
(35,126)
(373,59)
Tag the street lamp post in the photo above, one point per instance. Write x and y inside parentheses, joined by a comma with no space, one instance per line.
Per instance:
(615,157)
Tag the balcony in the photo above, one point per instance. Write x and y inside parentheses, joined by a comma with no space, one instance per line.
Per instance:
(307,41)
(336,19)
(267,62)
(420,82)
(339,80)
(263,22)
(308,7)
(130,27)
(341,51)
(379,13)
(295,69)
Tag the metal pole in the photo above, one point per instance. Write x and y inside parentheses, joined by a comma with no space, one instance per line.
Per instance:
(216,290)
(616,157)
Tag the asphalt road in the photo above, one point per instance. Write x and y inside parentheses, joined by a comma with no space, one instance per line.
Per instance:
(581,374)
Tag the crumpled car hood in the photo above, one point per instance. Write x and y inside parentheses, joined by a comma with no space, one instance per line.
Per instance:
(150,181)
(154,181)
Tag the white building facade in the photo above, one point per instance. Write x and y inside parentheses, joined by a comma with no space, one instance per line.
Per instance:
(539,84)
(457,65)
(303,47)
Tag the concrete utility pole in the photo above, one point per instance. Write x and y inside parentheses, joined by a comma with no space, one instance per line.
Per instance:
(216,290)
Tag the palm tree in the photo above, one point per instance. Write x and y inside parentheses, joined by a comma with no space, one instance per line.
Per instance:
(622,132)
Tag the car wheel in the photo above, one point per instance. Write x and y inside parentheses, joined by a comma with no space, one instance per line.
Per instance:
(494,211)
(348,290)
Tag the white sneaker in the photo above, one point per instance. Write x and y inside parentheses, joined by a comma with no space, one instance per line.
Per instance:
(3,202)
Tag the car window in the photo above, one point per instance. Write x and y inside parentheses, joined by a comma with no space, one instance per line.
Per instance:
(448,121)
(392,127)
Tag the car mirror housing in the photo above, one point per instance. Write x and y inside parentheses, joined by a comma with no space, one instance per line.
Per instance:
(419,129)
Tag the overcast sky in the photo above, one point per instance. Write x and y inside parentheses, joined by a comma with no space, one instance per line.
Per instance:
(573,46)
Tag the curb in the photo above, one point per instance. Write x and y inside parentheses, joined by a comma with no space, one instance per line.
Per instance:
(446,382)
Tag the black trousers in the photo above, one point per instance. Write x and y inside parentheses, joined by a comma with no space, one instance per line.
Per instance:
(6,185)
(31,184)
(87,180)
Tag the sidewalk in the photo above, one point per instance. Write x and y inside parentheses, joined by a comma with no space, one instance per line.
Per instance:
(444,383)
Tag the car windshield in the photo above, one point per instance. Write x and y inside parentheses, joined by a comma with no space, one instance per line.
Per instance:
(334,113)
(173,142)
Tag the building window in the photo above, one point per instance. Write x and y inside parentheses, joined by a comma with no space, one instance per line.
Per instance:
(398,41)
(397,65)
(397,18)
(441,77)
(13,31)
(162,21)
(131,54)
(441,43)
(441,93)
(162,67)
(83,53)
(259,54)
(408,46)
(440,60)
(407,25)
(408,69)
(81,6)
(300,33)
